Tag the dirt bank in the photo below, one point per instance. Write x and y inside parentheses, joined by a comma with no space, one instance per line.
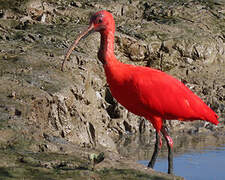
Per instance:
(45,110)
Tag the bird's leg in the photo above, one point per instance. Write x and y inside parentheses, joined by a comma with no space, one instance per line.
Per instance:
(158,144)
(169,142)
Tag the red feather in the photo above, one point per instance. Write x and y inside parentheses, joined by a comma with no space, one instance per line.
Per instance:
(155,95)
(146,92)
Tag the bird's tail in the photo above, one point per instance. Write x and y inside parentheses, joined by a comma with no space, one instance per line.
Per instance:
(205,112)
(211,116)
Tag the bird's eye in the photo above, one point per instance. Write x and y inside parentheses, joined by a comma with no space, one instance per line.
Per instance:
(99,21)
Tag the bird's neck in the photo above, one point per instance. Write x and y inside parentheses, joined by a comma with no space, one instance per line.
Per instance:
(106,51)
(113,68)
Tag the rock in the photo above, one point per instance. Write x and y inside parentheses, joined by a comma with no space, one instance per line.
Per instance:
(169,48)
(54,111)
(76,4)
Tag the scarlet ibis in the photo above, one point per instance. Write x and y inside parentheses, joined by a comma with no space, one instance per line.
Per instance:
(144,91)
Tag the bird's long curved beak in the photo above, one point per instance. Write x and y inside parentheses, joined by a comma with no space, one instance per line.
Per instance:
(82,35)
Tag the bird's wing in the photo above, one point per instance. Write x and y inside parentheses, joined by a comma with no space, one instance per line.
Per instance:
(167,97)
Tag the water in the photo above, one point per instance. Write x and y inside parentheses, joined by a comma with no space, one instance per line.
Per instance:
(206,164)
(196,156)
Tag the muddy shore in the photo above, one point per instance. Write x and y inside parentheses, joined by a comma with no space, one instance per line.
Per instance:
(52,121)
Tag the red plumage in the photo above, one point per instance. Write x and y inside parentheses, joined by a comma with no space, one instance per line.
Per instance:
(155,95)
(146,92)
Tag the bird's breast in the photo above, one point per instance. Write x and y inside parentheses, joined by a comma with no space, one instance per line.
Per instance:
(124,90)
(126,96)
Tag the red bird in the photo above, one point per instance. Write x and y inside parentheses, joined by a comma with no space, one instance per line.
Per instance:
(145,92)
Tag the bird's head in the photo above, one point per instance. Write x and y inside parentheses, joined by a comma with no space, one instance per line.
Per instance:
(101,21)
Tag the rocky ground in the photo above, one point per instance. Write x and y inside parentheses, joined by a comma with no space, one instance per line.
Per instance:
(66,116)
